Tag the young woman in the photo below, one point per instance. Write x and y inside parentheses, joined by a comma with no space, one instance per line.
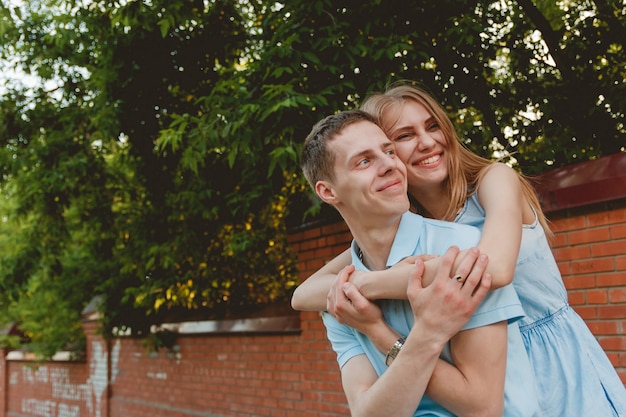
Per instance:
(448,182)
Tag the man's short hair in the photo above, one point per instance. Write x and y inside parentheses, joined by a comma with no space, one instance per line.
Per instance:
(317,160)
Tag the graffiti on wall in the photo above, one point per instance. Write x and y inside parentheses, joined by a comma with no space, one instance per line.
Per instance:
(68,398)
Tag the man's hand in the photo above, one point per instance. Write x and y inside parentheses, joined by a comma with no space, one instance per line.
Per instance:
(443,307)
(346,303)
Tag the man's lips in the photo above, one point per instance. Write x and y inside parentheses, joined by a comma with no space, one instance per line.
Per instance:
(391,184)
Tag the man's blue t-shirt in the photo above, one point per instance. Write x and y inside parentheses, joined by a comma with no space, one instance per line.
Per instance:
(415,236)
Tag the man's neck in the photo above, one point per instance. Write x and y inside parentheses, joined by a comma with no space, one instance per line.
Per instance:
(374,244)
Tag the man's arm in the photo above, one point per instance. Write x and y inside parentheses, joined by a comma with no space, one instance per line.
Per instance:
(398,391)
(440,311)
(474,386)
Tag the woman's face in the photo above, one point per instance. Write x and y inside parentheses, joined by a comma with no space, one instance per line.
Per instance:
(420,144)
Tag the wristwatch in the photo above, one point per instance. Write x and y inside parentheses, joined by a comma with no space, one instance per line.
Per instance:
(395,349)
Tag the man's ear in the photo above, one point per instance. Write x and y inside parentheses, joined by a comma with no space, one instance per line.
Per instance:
(325,191)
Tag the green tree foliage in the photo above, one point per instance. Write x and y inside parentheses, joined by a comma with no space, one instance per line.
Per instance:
(153,160)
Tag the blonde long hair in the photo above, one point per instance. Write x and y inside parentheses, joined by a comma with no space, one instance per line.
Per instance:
(465,168)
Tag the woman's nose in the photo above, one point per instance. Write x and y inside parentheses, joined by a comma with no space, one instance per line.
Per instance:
(425,141)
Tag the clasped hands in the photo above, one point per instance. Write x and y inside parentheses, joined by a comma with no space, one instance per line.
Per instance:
(443,306)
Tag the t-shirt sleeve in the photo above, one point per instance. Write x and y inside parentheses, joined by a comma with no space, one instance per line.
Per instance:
(499,305)
(342,338)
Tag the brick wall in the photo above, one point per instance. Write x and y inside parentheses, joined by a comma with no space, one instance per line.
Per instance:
(284,372)
(590,248)
(273,374)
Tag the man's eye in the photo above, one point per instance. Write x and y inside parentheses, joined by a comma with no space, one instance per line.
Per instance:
(391,152)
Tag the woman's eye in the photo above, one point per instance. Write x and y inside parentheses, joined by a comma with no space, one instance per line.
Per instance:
(402,137)
(433,126)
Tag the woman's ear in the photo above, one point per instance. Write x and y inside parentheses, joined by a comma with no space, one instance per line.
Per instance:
(325,191)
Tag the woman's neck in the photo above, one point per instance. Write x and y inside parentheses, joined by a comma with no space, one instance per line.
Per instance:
(434,202)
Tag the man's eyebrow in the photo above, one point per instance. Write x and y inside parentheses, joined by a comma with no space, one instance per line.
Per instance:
(360,154)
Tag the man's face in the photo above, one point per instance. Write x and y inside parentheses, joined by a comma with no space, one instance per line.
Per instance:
(370,181)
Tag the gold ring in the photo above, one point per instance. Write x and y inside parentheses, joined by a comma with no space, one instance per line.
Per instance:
(458,277)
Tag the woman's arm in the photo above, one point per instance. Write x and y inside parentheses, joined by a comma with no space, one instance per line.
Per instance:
(313,294)
(500,194)
(474,385)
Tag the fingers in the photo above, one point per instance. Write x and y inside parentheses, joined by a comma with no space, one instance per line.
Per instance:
(477,277)
(447,262)
(483,288)
(336,295)
(344,274)
(353,294)
(467,259)
(415,278)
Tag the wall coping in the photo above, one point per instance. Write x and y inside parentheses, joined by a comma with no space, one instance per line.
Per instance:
(277,324)
(596,181)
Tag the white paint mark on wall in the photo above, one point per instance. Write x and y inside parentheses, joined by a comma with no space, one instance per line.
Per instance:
(39,408)
(64,390)
(98,378)
(157,375)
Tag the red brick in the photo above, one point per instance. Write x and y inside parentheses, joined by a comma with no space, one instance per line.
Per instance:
(572,252)
(617,295)
(613,343)
(568,224)
(589,235)
(594,265)
(604,327)
(612,311)
(618,231)
(597,297)
(565,268)
(335,228)
(607,217)
(559,240)
(586,312)
(614,247)
(578,282)
(576,298)
(612,279)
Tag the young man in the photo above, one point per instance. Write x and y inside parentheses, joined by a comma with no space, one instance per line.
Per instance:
(351,164)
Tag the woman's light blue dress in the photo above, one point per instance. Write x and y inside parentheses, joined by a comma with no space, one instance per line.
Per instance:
(574,376)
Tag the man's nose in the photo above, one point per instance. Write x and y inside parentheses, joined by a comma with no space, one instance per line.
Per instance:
(388,164)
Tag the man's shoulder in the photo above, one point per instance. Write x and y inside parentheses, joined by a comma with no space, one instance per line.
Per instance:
(418,235)
(447,225)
